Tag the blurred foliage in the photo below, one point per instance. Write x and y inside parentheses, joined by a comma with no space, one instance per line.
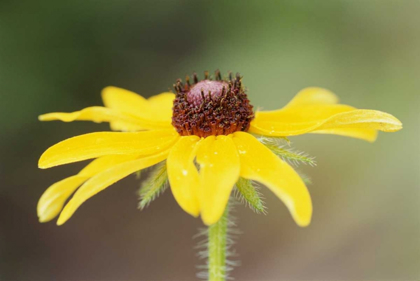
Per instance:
(58,55)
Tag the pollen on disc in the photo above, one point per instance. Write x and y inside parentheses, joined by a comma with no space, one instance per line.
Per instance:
(206,88)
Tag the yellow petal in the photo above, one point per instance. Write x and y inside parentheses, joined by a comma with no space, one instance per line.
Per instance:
(369,135)
(156,110)
(96,114)
(106,143)
(315,110)
(219,171)
(124,100)
(303,114)
(313,95)
(127,127)
(365,119)
(119,120)
(52,201)
(125,111)
(260,164)
(103,163)
(312,118)
(183,175)
(161,107)
(106,178)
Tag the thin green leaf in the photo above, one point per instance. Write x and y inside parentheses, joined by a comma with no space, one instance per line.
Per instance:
(248,193)
(154,185)
(293,157)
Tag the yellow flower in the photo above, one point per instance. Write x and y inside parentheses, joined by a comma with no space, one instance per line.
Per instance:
(206,133)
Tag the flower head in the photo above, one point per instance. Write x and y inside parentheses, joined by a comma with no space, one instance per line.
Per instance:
(211,108)
(206,132)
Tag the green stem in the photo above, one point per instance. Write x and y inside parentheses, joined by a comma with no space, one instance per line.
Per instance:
(217,248)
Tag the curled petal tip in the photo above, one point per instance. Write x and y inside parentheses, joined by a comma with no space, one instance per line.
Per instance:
(303,216)
(60,221)
(194,210)
(195,215)
(398,125)
(45,216)
(210,218)
(303,222)
(209,221)
(107,89)
(43,219)
(42,163)
(392,125)
(55,116)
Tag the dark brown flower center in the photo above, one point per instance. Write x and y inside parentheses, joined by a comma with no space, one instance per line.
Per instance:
(211,107)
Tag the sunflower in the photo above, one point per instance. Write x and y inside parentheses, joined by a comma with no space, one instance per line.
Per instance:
(209,136)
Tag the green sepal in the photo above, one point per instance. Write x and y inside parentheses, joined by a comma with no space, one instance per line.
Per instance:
(154,185)
(248,193)
(277,146)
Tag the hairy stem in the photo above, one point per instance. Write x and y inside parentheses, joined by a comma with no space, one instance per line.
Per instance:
(217,248)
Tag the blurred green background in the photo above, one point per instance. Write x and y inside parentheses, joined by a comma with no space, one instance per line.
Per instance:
(58,55)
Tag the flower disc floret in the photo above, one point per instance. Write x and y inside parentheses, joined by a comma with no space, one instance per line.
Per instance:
(211,107)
